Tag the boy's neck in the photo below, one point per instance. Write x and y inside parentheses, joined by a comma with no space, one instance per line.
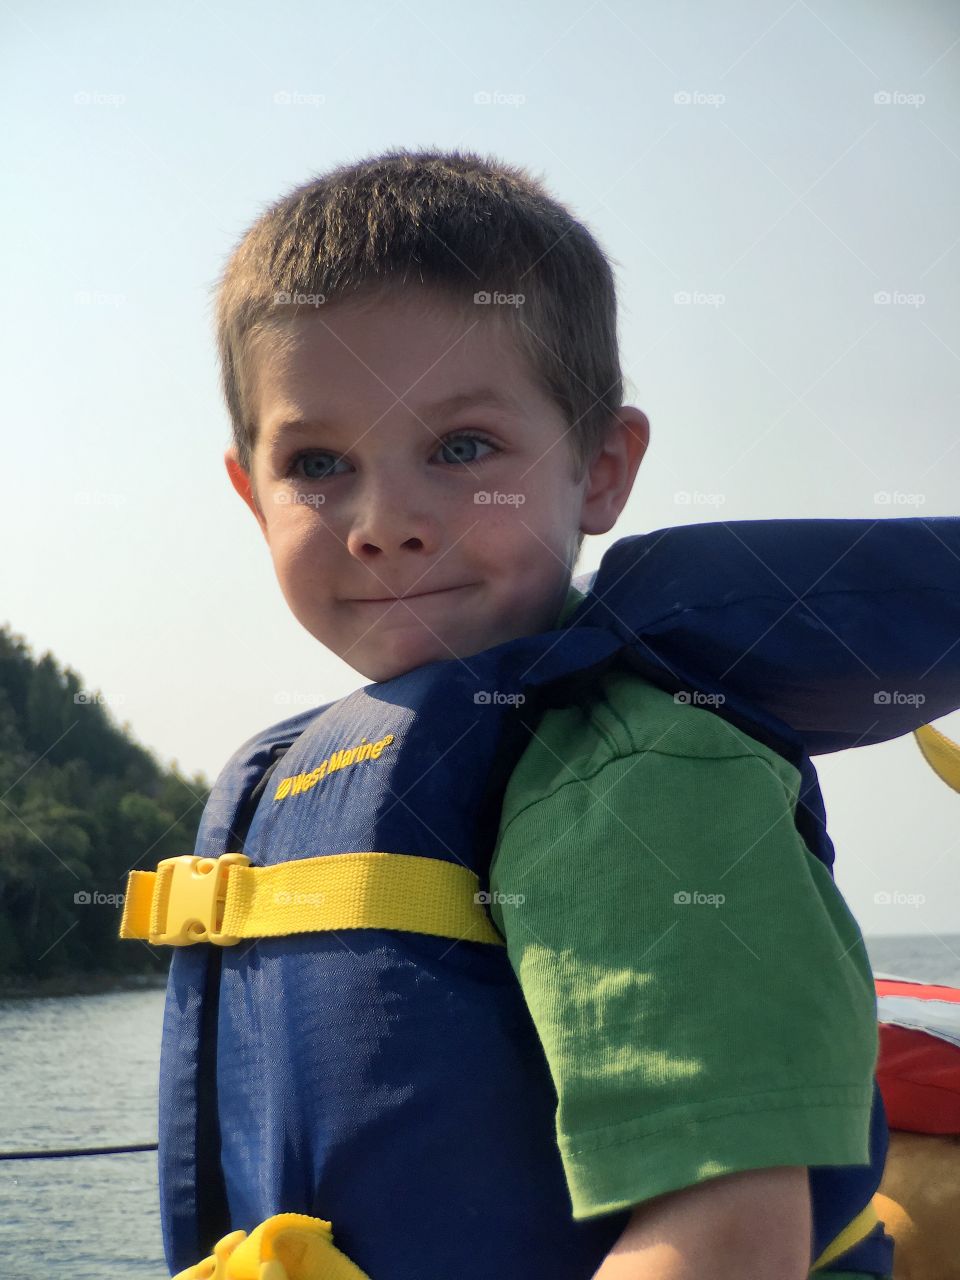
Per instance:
(572,602)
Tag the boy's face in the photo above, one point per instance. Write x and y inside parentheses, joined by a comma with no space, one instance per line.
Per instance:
(409,522)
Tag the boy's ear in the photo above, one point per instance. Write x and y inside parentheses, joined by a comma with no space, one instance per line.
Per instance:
(242,482)
(614,469)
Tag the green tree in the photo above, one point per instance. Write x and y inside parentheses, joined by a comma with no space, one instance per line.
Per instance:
(80,804)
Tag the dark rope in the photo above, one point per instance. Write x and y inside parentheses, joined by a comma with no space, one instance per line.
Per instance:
(74,1151)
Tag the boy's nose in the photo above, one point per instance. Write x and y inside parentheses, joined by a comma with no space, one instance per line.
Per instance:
(387,521)
(364,549)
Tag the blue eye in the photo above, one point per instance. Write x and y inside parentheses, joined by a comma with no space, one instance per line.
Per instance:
(316,463)
(310,462)
(469,438)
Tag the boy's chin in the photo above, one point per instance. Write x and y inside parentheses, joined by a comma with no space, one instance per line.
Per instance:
(406,658)
(392,667)
(403,649)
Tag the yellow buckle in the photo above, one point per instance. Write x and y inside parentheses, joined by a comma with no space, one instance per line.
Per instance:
(196,897)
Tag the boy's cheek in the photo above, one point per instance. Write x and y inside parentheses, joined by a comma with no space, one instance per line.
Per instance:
(293,522)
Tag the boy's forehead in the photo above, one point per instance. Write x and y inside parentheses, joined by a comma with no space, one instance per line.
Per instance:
(382,326)
(434,363)
(287,417)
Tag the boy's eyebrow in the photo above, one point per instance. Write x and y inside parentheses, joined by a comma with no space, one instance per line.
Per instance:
(481,397)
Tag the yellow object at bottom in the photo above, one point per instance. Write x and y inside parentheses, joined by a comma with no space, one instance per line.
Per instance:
(288,1246)
(852,1234)
(941,753)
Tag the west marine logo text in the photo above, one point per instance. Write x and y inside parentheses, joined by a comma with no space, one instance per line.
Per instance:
(339,759)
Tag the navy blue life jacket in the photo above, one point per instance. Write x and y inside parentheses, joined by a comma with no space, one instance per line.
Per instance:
(392,1082)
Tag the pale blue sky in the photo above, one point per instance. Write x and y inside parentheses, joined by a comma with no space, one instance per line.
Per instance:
(733,150)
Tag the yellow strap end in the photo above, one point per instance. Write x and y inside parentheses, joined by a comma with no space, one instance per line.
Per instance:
(135,921)
(288,1246)
(940,753)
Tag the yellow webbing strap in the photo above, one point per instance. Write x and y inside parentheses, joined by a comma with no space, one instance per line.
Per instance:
(851,1234)
(288,1246)
(223,900)
(940,753)
(292,1246)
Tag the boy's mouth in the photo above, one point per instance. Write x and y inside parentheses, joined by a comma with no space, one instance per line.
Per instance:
(413,595)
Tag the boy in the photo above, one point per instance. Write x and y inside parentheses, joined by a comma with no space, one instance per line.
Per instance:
(420,362)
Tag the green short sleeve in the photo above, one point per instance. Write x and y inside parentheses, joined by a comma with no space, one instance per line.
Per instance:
(700,988)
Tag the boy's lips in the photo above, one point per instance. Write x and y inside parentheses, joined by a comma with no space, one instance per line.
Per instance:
(413,595)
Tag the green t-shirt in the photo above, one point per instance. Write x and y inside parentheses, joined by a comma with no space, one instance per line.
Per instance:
(701,990)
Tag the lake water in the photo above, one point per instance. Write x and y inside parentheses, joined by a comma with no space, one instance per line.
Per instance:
(82,1071)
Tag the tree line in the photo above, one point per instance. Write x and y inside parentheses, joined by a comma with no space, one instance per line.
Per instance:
(80,803)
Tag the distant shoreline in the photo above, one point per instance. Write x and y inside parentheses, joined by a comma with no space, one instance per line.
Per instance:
(79,984)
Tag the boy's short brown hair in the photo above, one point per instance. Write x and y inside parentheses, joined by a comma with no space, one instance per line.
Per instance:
(450,222)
